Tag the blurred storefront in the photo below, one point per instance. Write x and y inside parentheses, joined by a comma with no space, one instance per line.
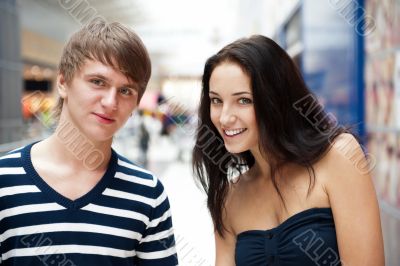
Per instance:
(328,50)
(382,69)
(28,71)
(10,72)
(40,55)
(382,91)
(349,56)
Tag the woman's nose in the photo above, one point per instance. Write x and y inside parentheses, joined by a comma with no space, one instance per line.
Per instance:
(227,117)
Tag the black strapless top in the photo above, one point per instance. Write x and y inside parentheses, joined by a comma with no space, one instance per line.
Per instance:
(307,238)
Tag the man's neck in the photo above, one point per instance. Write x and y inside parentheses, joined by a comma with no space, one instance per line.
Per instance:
(77,152)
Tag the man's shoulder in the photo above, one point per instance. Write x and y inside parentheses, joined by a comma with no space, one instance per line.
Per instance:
(132,172)
(11,166)
(12,158)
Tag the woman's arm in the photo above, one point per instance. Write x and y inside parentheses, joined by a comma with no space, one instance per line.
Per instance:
(354,204)
(225,249)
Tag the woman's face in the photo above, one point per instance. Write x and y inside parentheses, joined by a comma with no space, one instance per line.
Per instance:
(231,109)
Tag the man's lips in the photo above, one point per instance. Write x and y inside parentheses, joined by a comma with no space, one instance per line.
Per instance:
(104,118)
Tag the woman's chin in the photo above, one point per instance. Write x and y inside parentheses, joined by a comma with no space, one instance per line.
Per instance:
(235,150)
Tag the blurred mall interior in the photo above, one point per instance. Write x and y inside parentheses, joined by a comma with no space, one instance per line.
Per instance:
(347,50)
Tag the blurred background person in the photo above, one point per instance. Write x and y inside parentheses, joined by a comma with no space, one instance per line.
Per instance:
(144,139)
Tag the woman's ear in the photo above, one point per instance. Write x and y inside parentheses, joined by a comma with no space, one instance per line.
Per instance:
(61,86)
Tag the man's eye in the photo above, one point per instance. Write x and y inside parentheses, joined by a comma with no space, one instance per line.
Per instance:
(97,82)
(245,101)
(125,91)
(215,100)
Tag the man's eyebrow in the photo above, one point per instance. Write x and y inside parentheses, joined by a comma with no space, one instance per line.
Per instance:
(131,85)
(98,75)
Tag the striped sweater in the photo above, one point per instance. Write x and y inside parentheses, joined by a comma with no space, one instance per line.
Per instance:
(124,220)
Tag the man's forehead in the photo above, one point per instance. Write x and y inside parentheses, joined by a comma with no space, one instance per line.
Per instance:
(96,67)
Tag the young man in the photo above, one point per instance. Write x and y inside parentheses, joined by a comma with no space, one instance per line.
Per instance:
(72,200)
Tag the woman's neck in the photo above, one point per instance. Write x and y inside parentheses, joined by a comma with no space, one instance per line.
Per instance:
(261,166)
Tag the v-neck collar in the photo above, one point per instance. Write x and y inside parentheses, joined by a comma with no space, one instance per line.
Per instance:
(59,198)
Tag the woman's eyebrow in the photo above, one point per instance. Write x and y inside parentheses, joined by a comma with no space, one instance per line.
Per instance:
(241,92)
(234,94)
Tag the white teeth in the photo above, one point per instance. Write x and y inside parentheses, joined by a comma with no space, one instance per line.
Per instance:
(234,131)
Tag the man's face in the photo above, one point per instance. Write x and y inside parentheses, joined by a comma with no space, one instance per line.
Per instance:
(98,100)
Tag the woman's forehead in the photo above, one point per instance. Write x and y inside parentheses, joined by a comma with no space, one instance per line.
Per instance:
(229,77)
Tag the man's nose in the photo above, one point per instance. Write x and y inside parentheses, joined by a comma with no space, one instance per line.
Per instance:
(110,100)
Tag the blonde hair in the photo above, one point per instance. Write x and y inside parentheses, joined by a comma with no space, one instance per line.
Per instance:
(112,44)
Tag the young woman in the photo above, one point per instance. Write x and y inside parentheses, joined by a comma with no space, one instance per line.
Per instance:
(302,194)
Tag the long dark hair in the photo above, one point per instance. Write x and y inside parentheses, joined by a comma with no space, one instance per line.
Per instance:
(292,125)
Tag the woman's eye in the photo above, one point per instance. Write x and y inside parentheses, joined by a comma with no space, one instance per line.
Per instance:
(215,100)
(245,101)
(97,82)
(125,91)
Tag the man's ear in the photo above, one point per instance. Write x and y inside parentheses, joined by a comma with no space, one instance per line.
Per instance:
(61,86)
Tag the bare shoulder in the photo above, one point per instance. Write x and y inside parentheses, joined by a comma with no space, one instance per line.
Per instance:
(346,145)
(348,166)
(345,157)
(353,200)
